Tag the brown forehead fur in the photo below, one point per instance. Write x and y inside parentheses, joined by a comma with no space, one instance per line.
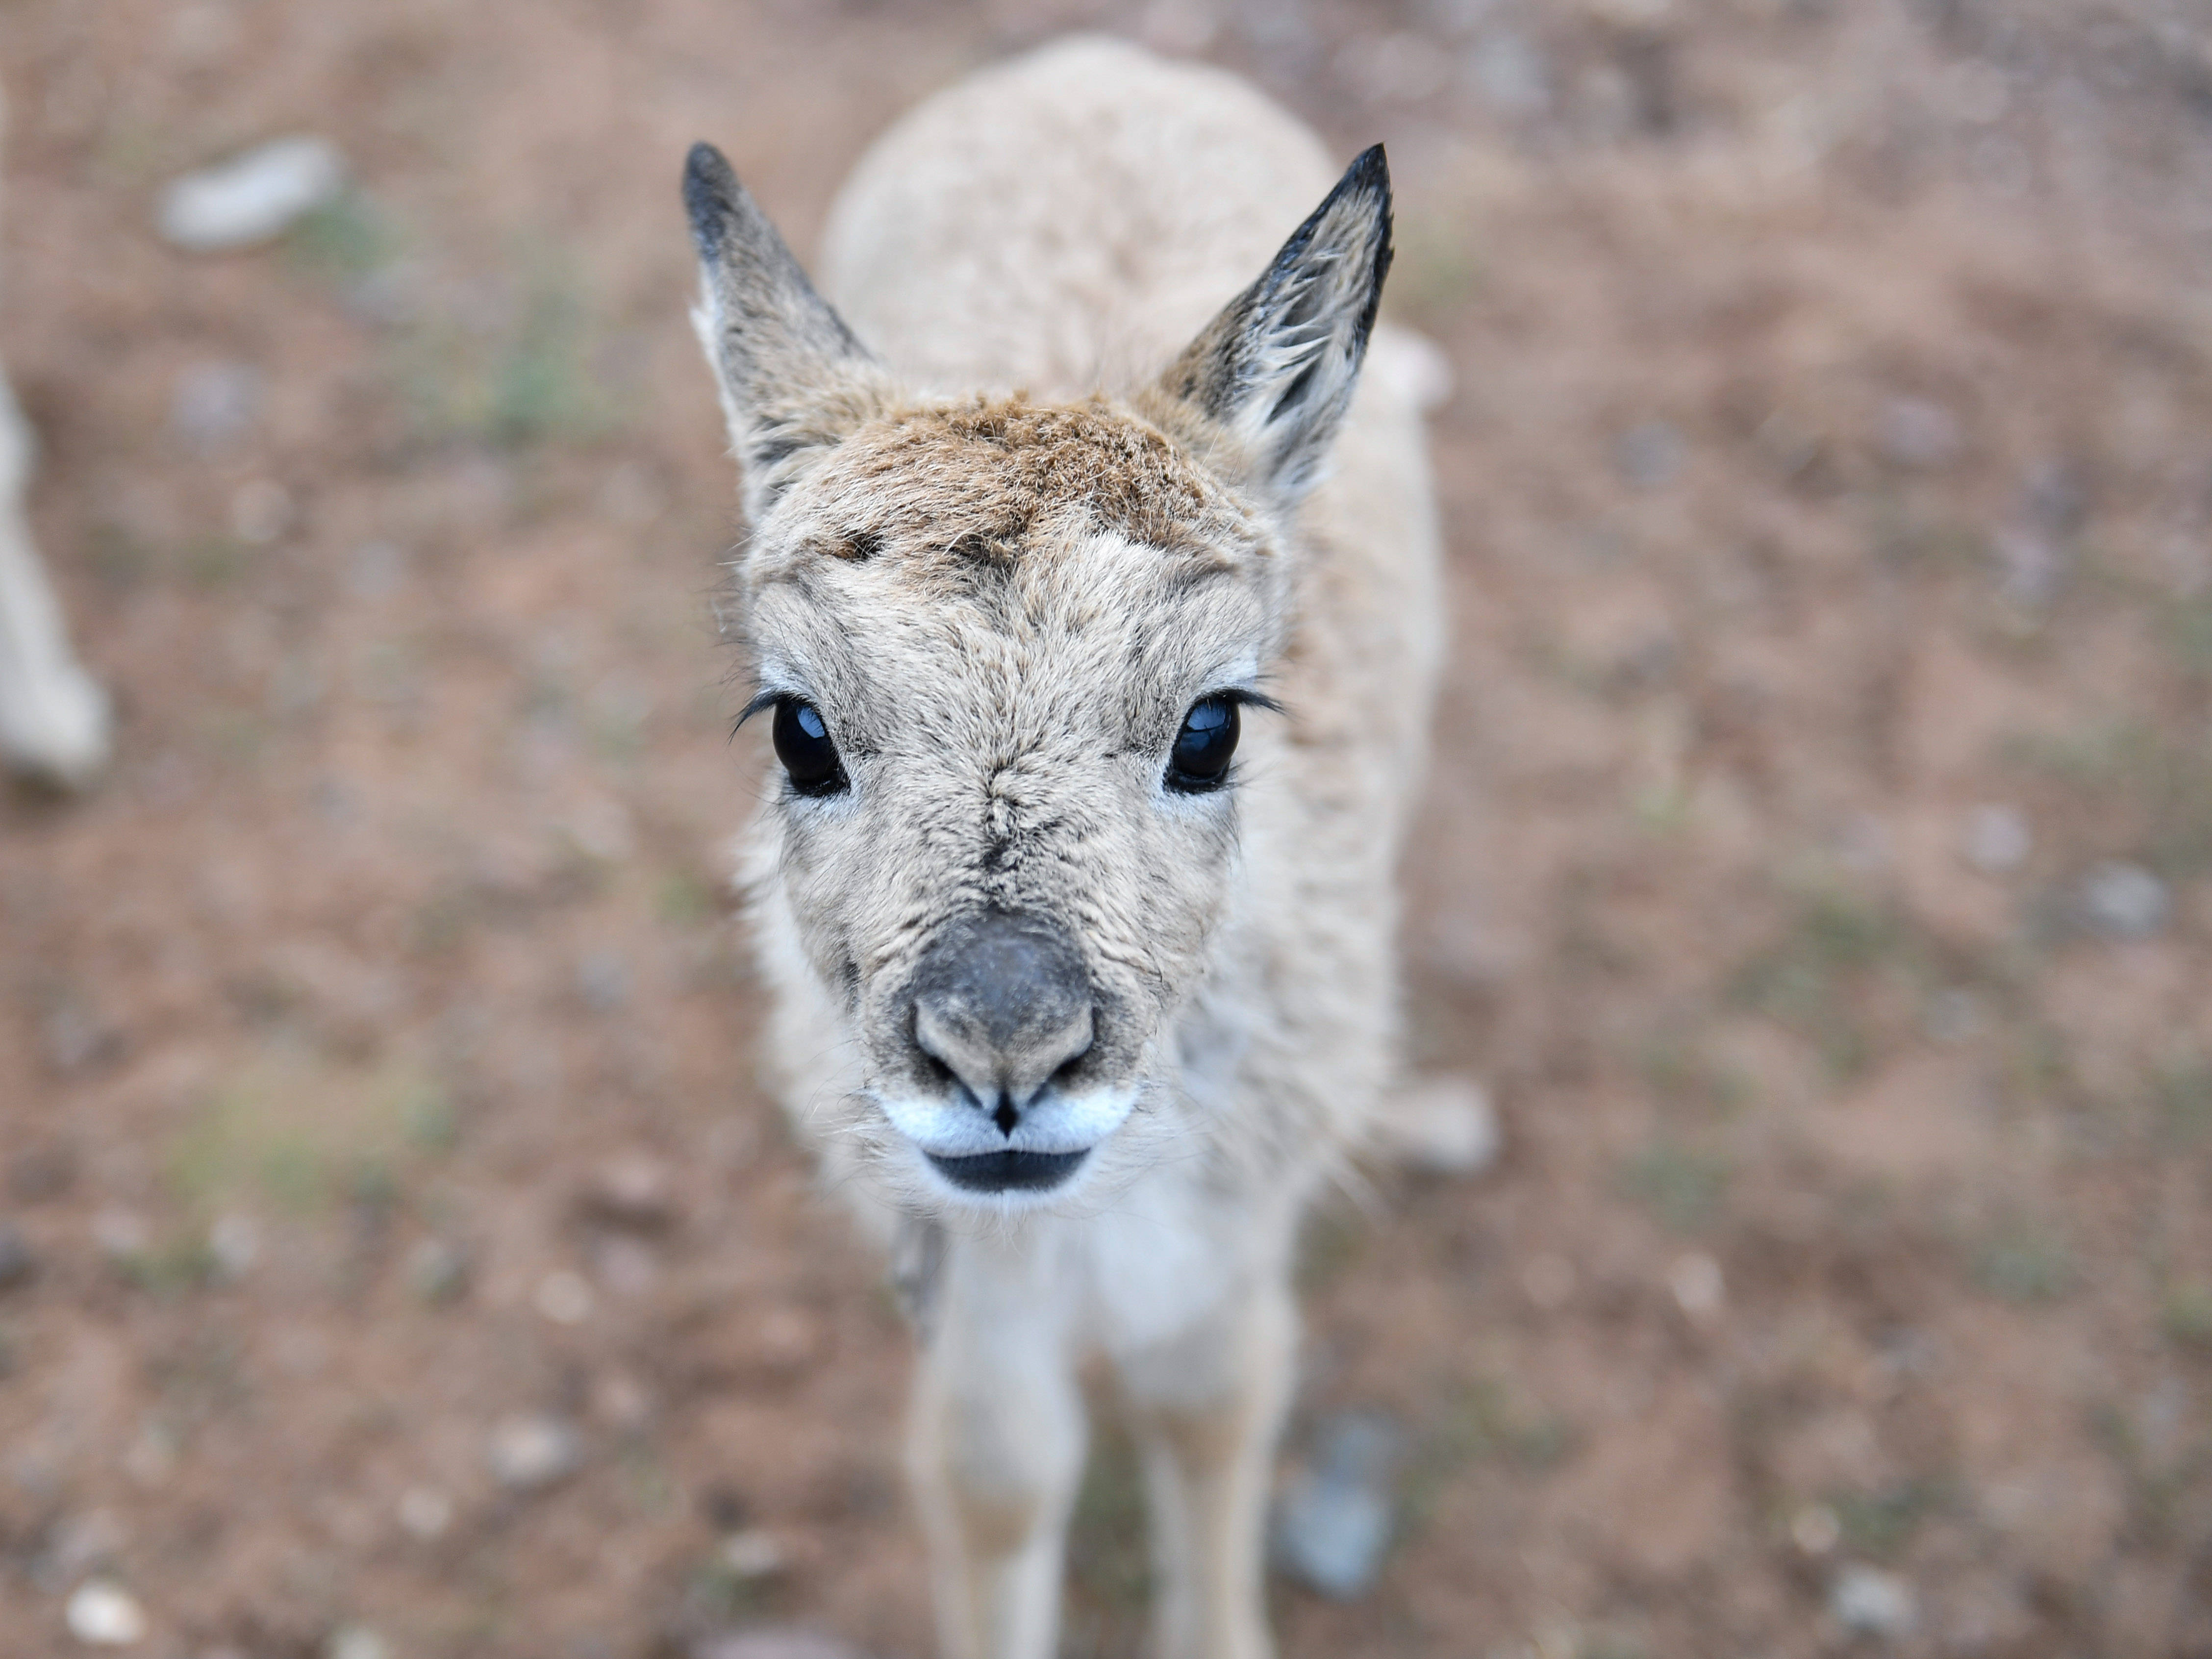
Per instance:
(973,480)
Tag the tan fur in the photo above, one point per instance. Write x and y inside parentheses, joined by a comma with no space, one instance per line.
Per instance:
(1003,557)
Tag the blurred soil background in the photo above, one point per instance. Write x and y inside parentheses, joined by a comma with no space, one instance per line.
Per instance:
(397,1257)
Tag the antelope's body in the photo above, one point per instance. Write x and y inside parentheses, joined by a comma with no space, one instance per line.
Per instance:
(1077,1022)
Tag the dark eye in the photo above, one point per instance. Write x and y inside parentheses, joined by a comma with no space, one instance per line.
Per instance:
(1200,761)
(802,745)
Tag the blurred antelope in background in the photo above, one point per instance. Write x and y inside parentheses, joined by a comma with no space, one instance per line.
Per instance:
(1094,604)
(53,717)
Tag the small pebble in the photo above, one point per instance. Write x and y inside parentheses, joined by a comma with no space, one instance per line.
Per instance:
(1870,1602)
(1332,1525)
(234,1242)
(632,1189)
(1815,1530)
(377,570)
(121,1234)
(425,1513)
(565,1297)
(1998,840)
(1699,1290)
(1650,455)
(102,1613)
(1915,433)
(2030,567)
(621,1401)
(215,405)
(1511,74)
(152,1458)
(627,1266)
(438,1270)
(18,1264)
(772,1642)
(1442,1126)
(1548,1281)
(1331,1535)
(250,197)
(2124,902)
(260,511)
(528,1454)
(603,980)
(1955,1015)
(753,1554)
(356,1641)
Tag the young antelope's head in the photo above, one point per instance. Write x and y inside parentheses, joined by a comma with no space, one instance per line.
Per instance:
(1008,650)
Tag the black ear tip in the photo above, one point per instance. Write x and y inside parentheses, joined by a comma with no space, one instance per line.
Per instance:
(710,190)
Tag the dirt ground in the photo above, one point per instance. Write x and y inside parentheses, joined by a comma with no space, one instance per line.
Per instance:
(1818,863)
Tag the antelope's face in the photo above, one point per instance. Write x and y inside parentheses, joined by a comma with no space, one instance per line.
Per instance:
(1009,654)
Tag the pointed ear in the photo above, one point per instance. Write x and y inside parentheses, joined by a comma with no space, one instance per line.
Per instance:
(1277,365)
(792,378)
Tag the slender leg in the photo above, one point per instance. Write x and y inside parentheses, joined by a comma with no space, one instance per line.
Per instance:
(54,719)
(1208,1406)
(996,1454)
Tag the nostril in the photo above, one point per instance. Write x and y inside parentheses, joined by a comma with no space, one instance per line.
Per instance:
(1078,1040)
(1005,1117)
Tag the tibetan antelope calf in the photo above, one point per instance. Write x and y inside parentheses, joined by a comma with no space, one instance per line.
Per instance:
(1093,600)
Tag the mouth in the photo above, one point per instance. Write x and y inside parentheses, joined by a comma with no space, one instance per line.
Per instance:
(1008,1171)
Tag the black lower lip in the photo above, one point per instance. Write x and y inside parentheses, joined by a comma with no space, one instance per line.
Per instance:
(1008,1172)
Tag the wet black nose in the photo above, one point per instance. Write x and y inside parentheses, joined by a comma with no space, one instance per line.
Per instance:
(1003,1001)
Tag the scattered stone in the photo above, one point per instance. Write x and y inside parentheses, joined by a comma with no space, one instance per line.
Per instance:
(1915,433)
(152,1458)
(1870,1602)
(1815,1529)
(2030,567)
(121,1234)
(1955,1015)
(356,1641)
(2055,499)
(215,405)
(2123,901)
(1442,1126)
(1699,1290)
(1511,76)
(19,1263)
(377,570)
(438,1270)
(1549,1281)
(102,1613)
(76,1037)
(86,1542)
(529,1454)
(250,197)
(632,1189)
(260,511)
(628,1266)
(621,1401)
(1334,1523)
(1998,840)
(565,1297)
(425,1513)
(772,1642)
(1650,455)
(603,980)
(753,1554)
(235,1243)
